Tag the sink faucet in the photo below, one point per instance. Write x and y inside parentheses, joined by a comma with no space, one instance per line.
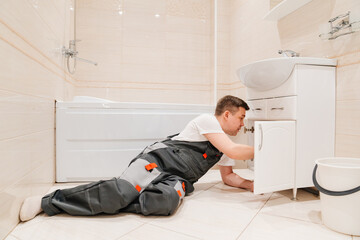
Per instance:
(286,53)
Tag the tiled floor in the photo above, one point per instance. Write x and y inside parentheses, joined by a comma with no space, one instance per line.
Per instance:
(213,211)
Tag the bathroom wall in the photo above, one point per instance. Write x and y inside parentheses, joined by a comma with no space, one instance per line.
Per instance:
(32,76)
(253,39)
(152,51)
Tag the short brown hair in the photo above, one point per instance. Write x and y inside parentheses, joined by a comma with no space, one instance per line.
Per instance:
(231,104)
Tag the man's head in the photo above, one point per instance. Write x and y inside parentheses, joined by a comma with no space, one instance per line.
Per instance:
(230,112)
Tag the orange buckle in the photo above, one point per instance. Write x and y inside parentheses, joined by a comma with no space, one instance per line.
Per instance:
(138,188)
(205,155)
(183,186)
(178,191)
(150,166)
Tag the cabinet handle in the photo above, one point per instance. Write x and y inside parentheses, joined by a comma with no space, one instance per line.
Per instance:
(280,108)
(257,109)
(261,137)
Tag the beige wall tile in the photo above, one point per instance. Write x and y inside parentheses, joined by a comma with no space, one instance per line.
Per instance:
(348,84)
(144,39)
(188,25)
(347,117)
(347,146)
(164,43)
(144,22)
(23,154)
(188,96)
(142,55)
(30,170)
(99,18)
(189,58)
(18,71)
(26,20)
(37,182)
(145,7)
(32,76)
(187,41)
(224,7)
(21,114)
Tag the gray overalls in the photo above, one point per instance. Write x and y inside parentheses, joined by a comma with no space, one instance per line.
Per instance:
(153,184)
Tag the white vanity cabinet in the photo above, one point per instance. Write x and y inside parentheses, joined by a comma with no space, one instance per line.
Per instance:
(292,125)
(274,162)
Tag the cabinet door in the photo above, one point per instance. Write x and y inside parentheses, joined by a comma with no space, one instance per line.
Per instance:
(274,160)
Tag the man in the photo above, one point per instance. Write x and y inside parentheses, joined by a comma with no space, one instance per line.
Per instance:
(159,177)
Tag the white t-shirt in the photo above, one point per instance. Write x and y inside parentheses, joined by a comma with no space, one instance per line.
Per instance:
(203,124)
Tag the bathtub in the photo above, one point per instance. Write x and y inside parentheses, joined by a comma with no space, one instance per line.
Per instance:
(96,138)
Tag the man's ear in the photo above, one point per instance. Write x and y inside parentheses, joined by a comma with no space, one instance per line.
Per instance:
(226,114)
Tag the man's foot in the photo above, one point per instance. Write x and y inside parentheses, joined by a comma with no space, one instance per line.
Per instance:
(30,208)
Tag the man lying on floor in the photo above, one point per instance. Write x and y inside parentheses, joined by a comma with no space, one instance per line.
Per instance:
(162,174)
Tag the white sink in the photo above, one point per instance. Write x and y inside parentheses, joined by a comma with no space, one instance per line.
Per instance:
(270,73)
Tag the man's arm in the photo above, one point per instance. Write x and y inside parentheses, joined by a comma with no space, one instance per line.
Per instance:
(232,179)
(233,150)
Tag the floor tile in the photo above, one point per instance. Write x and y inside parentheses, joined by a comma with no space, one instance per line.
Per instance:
(11,237)
(70,227)
(232,197)
(280,228)
(207,221)
(210,179)
(149,231)
(306,207)
(214,211)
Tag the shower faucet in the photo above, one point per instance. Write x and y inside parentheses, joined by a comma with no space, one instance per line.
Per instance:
(71,52)
(286,53)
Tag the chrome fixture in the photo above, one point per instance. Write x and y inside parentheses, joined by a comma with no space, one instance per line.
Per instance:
(288,53)
(72,53)
(249,129)
(346,24)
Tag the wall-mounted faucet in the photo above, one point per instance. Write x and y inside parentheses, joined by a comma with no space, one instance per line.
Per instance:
(71,52)
(288,53)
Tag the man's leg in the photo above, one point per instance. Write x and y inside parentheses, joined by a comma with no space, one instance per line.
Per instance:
(90,199)
(160,198)
(99,197)
(232,179)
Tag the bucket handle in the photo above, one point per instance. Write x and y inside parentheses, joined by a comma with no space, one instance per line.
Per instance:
(332,193)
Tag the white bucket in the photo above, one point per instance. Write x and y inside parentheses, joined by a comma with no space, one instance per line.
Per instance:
(338,180)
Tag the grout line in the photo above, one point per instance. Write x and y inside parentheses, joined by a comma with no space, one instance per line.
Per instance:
(202,191)
(43,20)
(347,100)
(159,226)
(12,235)
(254,217)
(344,54)
(131,230)
(348,64)
(164,83)
(39,51)
(26,94)
(27,134)
(149,88)
(296,219)
(36,60)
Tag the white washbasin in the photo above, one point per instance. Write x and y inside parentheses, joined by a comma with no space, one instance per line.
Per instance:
(270,73)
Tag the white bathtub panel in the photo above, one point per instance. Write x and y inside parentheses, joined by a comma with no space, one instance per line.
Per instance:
(95,125)
(94,164)
(98,141)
